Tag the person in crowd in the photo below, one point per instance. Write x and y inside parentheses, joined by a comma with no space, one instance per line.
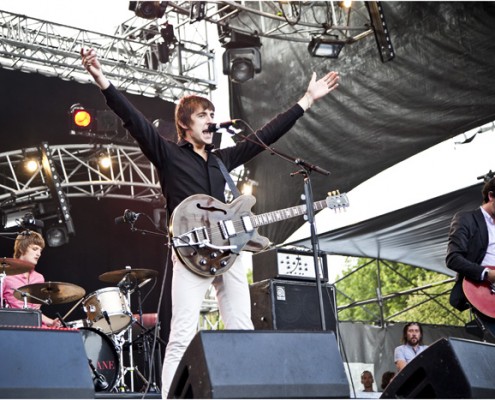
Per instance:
(190,167)
(367,392)
(471,245)
(27,247)
(367,381)
(412,344)
(387,377)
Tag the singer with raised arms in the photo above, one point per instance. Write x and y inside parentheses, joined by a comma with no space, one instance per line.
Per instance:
(190,167)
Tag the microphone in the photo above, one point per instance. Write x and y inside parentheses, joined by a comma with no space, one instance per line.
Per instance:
(129,216)
(226,124)
(99,380)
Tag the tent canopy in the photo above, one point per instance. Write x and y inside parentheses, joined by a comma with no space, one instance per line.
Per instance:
(415,235)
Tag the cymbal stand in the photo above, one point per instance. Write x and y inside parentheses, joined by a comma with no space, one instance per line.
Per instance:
(146,346)
(25,295)
(122,338)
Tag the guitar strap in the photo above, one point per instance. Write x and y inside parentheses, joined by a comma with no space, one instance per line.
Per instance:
(228,178)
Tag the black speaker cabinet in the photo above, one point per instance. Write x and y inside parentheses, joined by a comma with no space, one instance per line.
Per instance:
(15,317)
(43,363)
(261,365)
(449,368)
(282,304)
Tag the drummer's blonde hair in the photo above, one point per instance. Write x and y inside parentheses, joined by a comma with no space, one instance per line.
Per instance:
(26,239)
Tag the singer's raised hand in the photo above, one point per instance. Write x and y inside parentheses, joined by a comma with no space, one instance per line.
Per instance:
(91,63)
(319,88)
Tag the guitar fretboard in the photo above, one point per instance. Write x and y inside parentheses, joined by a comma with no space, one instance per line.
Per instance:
(281,215)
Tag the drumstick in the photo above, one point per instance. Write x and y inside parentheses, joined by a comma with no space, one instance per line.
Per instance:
(73,308)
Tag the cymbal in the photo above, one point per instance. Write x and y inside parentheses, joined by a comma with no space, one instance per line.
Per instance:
(56,292)
(136,275)
(14,266)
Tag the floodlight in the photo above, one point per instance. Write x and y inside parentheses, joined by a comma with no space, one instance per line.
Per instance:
(328,46)
(148,9)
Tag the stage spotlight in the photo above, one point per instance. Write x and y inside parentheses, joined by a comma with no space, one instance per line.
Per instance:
(31,165)
(242,64)
(20,218)
(197,11)
(104,160)
(56,236)
(81,119)
(148,9)
(328,46)
(242,57)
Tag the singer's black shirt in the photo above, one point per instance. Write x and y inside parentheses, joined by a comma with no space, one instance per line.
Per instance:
(182,172)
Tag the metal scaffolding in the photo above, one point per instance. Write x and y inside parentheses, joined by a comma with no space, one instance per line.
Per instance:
(129,57)
(129,176)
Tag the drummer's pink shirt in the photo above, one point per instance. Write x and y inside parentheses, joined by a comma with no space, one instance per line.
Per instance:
(12,282)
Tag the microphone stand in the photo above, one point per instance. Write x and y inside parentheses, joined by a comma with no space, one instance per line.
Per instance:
(306,169)
(308,197)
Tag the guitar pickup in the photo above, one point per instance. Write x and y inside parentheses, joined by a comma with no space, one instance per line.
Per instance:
(247,223)
(227,228)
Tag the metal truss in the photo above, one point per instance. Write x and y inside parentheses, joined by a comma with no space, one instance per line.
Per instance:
(129,57)
(295,21)
(130,175)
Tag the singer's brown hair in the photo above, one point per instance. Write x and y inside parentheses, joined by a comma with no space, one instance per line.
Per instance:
(26,239)
(185,108)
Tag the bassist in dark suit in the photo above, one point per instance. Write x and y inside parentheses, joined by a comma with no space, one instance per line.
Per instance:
(471,246)
(188,168)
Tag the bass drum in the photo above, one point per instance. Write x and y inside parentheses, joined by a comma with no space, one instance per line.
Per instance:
(101,351)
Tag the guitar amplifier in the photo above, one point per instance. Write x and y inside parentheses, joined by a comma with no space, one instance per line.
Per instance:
(287,264)
(20,317)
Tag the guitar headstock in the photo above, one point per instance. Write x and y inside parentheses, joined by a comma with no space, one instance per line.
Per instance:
(336,200)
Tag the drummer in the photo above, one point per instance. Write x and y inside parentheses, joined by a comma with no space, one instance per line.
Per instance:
(27,247)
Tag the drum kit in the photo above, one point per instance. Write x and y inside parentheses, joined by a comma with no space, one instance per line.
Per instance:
(107,329)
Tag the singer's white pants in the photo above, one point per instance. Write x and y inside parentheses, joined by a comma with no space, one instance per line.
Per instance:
(188,292)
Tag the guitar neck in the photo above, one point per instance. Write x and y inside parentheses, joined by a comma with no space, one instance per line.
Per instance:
(281,215)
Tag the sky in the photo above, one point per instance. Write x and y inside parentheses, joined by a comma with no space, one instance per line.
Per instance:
(441,169)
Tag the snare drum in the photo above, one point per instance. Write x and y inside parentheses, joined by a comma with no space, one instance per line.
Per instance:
(108,310)
(103,355)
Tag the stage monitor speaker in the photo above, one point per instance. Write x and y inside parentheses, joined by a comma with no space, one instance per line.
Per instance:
(15,317)
(449,368)
(43,363)
(261,364)
(281,304)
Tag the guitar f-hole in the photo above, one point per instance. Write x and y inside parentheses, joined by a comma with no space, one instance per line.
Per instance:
(211,209)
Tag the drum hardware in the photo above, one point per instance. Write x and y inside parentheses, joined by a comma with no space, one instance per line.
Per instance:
(145,341)
(24,296)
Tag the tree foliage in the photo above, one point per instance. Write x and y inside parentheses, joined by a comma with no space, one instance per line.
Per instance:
(361,281)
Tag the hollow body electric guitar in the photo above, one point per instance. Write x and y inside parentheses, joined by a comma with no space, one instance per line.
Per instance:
(481,295)
(208,235)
